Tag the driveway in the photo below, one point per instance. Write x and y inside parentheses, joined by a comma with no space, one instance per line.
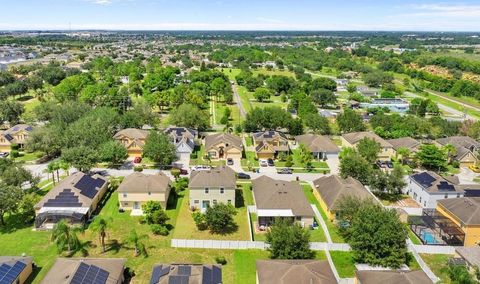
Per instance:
(466,176)
(237,166)
(334,165)
(184,160)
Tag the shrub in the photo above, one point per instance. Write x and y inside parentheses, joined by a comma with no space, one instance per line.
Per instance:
(221,260)
(154,213)
(219,218)
(14,153)
(159,230)
(175,173)
(15,147)
(138,169)
(199,220)
(289,161)
(193,156)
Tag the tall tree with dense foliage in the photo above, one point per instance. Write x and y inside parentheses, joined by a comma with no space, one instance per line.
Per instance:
(113,152)
(262,94)
(219,218)
(10,196)
(350,121)
(159,148)
(188,115)
(369,149)
(83,158)
(432,157)
(354,165)
(289,240)
(10,111)
(268,118)
(318,124)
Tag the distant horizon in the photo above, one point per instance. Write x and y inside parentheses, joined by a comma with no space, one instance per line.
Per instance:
(239,30)
(247,15)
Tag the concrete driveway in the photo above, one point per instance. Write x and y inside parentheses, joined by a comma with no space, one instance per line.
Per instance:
(466,176)
(334,165)
(237,166)
(184,160)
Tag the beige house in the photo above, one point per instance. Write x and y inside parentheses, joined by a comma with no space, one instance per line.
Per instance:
(210,187)
(186,273)
(86,270)
(308,271)
(466,149)
(351,140)
(133,139)
(223,146)
(74,199)
(138,188)
(15,135)
(269,144)
(280,199)
(391,276)
(15,269)
(320,146)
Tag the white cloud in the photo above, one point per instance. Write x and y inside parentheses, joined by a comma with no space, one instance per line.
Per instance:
(100,2)
(445,10)
(269,20)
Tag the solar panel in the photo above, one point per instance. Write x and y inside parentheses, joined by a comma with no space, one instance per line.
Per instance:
(207,275)
(158,272)
(184,270)
(425,179)
(216,275)
(88,186)
(445,186)
(8,274)
(178,279)
(89,274)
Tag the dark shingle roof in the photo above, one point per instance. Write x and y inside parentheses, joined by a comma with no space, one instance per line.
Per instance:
(295,271)
(466,209)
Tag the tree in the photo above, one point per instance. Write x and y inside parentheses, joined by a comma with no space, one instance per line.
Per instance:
(451,151)
(354,165)
(305,156)
(10,111)
(324,97)
(404,153)
(390,183)
(219,218)
(191,116)
(262,94)
(137,241)
(377,236)
(459,274)
(268,118)
(295,127)
(318,124)
(432,157)
(288,240)
(159,148)
(83,158)
(113,153)
(369,149)
(9,197)
(100,226)
(351,88)
(65,237)
(154,213)
(350,121)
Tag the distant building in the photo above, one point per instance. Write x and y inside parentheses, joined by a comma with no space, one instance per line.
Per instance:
(15,135)
(466,149)
(394,105)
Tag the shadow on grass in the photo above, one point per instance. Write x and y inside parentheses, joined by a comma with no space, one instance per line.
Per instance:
(15,222)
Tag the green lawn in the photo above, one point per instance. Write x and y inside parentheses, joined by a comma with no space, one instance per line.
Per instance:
(231,73)
(249,159)
(343,261)
(332,228)
(28,157)
(186,228)
(245,265)
(438,263)
(457,106)
(220,107)
(317,165)
(200,160)
(249,141)
(272,72)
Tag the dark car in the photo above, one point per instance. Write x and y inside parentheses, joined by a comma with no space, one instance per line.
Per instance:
(243,176)
(183,172)
(137,160)
(230,161)
(270,163)
(285,171)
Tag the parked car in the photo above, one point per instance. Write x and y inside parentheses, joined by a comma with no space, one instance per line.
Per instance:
(474,169)
(285,171)
(385,164)
(137,160)
(3,154)
(201,168)
(230,161)
(243,176)
(263,163)
(270,163)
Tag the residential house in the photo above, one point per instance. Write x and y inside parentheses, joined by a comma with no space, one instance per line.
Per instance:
(15,269)
(471,255)
(280,199)
(465,214)
(133,139)
(183,138)
(405,142)
(186,274)
(268,144)
(276,271)
(320,146)
(330,190)
(223,146)
(75,198)
(86,270)
(211,187)
(466,149)
(392,276)
(138,188)
(428,187)
(351,140)
(15,135)
(392,104)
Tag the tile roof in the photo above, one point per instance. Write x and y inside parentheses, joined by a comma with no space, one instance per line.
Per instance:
(333,188)
(295,271)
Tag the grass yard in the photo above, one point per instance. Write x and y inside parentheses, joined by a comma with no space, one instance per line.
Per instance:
(344,263)
(245,265)
(28,157)
(230,72)
(317,165)
(273,72)
(415,240)
(438,263)
(186,228)
(220,110)
(249,159)
(249,141)
(200,160)
(332,228)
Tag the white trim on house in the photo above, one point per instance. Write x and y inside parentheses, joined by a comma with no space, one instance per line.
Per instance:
(275,213)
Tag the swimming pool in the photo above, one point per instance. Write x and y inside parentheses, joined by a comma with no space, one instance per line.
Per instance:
(428,238)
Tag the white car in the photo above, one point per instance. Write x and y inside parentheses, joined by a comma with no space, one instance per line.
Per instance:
(201,168)
(263,163)
(3,154)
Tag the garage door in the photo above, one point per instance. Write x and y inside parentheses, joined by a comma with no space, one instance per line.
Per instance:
(235,155)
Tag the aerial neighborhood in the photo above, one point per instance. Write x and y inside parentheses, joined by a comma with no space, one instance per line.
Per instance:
(239,157)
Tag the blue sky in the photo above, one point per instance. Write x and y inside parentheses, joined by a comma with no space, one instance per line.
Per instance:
(408,15)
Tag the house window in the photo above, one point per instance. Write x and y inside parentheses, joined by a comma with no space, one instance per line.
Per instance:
(214,202)
(446,196)
(206,190)
(229,201)
(124,195)
(125,203)
(222,190)
(149,193)
(196,201)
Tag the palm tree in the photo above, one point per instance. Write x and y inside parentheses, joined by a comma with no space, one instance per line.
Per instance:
(451,151)
(136,241)
(64,166)
(65,237)
(51,170)
(100,226)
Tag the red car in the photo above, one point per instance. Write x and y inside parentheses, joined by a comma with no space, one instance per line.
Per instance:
(137,160)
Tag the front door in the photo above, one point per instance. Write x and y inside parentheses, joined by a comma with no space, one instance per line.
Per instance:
(136,205)
(205,204)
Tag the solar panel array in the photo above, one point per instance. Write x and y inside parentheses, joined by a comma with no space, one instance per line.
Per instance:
(425,179)
(66,198)
(89,274)
(445,186)
(158,272)
(178,279)
(8,274)
(89,186)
